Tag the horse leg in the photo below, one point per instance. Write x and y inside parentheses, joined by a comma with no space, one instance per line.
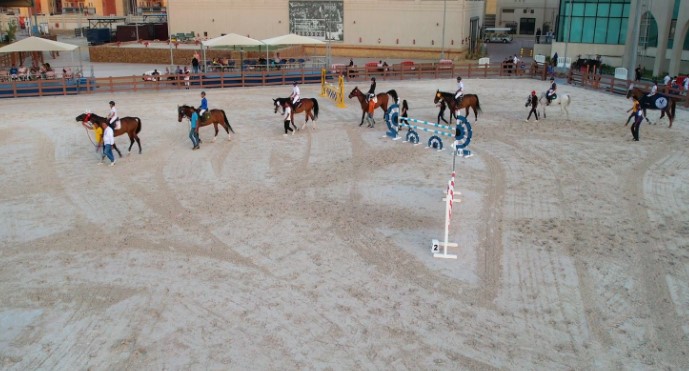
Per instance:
(227,129)
(215,126)
(363,113)
(131,143)
(114,146)
(138,142)
(313,120)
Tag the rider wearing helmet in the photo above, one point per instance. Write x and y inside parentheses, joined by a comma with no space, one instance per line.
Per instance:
(372,90)
(551,91)
(295,94)
(112,116)
(460,91)
(204,105)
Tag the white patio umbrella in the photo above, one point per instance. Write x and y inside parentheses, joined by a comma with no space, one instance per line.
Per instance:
(289,39)
(227,41)
(39,44)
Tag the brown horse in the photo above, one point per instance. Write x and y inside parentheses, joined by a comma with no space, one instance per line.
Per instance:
(381,101)
(648,102)
(468,101)
(129,125)
(306,105)
(213,116)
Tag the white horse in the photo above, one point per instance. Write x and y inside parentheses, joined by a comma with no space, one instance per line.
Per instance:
(562,99)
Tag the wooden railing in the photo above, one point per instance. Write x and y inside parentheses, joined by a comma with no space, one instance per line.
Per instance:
(618,86)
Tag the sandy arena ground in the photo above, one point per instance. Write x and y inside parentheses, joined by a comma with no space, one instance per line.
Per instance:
(312,251)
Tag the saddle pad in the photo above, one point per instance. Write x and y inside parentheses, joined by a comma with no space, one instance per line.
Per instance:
(658,101)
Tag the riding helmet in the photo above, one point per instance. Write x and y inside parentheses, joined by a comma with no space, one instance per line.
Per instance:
(459,78)
(294,83)
(112,102)
(533,92)
(373,79)
(552,78)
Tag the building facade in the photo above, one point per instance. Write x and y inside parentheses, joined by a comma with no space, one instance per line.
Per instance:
(525,17)
(651,33)
(96,7)
(404,23)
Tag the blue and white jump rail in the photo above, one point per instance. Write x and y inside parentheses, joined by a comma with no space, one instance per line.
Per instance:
(461,132)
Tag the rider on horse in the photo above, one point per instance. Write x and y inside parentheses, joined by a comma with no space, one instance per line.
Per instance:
(295,94)
(654,89)
(550,95)
(112,116)
(203,108)
(459,94)
(372,90)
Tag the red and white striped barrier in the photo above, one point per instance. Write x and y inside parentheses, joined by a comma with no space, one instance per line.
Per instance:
(449,201)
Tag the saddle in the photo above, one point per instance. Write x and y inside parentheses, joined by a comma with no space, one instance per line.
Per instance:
(206,115)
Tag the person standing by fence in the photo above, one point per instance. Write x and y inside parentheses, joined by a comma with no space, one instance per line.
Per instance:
(538,36)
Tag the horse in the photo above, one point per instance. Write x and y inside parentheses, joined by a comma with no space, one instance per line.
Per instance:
(562,99)
(381,101)
(214,116)
(306,105)
(645,102)
(468,101)
(129,125)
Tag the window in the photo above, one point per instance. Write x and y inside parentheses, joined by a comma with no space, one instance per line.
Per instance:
(508,10)
(593,21)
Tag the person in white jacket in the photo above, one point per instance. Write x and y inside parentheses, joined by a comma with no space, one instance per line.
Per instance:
(108,142)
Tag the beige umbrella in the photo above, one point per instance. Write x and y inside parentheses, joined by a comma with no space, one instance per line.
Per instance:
(39,44)
(226,41)
(289,39)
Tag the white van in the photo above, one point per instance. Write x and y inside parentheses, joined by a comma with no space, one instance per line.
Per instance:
(497,35)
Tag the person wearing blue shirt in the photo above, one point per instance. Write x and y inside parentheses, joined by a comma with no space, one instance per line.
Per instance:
(204,105)
(194,130)
(13,72)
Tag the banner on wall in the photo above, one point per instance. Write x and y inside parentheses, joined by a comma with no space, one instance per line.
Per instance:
(319,19)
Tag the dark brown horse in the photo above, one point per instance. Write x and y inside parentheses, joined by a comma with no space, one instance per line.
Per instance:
(381,101)
(648,102)
(468,101)
(307,105)
(213,116)
(129,125)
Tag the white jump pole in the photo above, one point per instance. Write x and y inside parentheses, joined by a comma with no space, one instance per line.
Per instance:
(448,215)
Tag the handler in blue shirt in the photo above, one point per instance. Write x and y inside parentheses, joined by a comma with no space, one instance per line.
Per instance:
(194,130)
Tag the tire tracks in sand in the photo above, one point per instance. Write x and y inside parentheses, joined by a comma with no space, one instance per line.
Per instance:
(667,326)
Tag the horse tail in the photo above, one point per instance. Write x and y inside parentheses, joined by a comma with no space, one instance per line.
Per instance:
(315,109)
(393,93)
(227,121)
(478,105)
(138,125)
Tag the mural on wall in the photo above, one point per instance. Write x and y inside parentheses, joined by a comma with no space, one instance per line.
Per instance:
(320,19)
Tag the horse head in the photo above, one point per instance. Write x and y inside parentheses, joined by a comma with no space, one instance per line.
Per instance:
(184,111)
(276,104)
(438,96)
(355,92)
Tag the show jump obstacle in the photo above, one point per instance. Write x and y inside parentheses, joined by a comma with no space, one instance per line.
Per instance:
(461,134)
(331,91)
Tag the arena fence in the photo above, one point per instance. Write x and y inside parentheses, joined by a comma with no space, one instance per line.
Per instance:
(306,75)
(620,86)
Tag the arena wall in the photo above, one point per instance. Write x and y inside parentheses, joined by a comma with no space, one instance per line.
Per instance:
(399,23)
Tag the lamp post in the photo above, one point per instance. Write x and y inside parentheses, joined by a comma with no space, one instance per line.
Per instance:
(442,39)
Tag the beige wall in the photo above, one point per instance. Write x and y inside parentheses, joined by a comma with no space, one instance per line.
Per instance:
(545,11)
(414,22)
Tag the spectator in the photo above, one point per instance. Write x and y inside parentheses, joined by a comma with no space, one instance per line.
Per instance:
(195,64)
(13,72)
(538,36)
(637,73)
